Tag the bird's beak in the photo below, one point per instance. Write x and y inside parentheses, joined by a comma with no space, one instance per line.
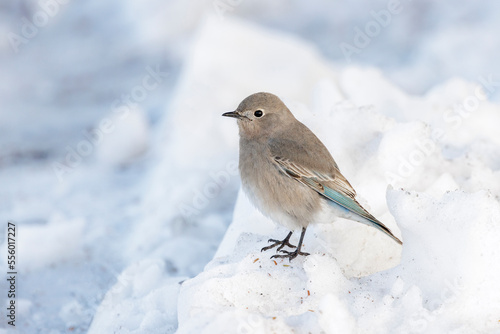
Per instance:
(232,114)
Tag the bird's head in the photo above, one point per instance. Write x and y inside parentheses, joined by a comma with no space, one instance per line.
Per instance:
(260,115)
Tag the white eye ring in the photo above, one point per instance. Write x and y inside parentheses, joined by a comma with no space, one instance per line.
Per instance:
(258,113)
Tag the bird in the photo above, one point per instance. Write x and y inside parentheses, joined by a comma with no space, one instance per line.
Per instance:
(289,175)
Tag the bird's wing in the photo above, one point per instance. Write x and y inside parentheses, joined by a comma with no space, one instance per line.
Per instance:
(308,157)
(332,186)
(334,180)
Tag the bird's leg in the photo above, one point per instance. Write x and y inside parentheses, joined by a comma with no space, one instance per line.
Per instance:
(280,243)
(296,252)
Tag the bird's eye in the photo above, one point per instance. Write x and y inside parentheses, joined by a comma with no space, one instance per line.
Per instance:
(258,113)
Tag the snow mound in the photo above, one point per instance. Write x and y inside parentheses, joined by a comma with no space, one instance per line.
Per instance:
(356,279)
(446,280)
(142,301)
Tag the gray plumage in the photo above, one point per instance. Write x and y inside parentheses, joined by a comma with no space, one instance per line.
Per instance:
(288,174)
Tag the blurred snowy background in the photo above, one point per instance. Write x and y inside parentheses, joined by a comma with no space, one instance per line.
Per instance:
(121,175)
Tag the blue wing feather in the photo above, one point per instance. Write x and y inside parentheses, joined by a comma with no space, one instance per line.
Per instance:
(350,204)
(323,184)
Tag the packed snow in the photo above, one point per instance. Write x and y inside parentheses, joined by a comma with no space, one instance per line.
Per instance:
(122,177)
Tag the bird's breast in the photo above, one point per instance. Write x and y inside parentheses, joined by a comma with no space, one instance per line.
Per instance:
(278,196)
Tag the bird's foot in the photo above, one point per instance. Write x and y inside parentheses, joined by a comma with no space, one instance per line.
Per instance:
(290,255)
(286,242)
(280,243)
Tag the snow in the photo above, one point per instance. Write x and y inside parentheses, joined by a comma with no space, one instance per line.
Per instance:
(125,191)
(447,271)
(143,298)
(127,139)
(59,240)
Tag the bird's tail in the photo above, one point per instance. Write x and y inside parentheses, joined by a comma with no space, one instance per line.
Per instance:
(381,227)
(357,211)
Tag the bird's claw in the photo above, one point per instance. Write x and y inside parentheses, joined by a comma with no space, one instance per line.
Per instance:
(280,243)
(289,255)
(286,242)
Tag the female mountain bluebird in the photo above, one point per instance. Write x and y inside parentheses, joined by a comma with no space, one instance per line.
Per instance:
(289,175)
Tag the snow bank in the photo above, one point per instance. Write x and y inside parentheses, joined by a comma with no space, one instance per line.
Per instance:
(142,301)
(356,279)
